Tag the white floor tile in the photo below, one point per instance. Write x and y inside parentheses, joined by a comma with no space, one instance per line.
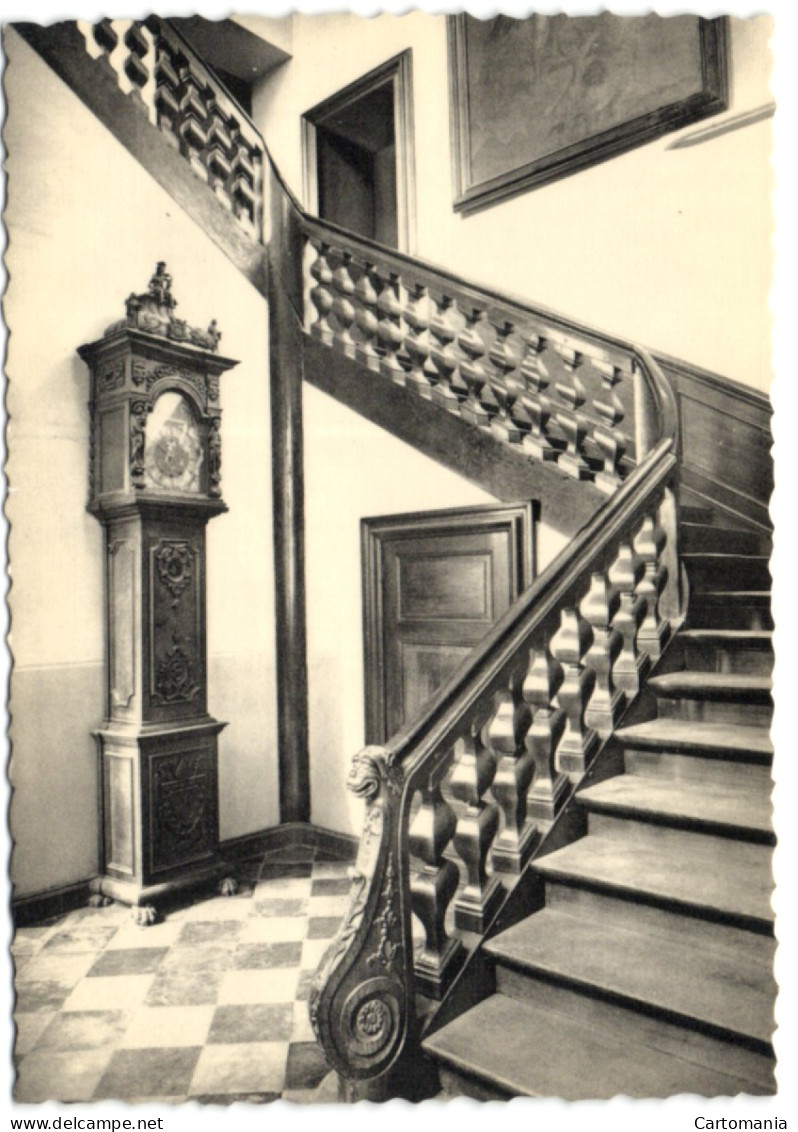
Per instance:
(168,1026)
(278,984)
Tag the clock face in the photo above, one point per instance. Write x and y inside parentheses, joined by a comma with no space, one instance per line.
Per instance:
(173,453)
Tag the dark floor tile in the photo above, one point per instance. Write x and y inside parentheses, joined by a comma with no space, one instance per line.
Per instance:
(303,986)
(128,961)
(253,956)
(330,886)
(184,988)
(199,932)
(199,960)
(281,907)
(323,927)
(258,1022)
(148,1073)
(232,1098)
(44,995)
(276,871)
(81,936)
(333,858)
(84,1029)
(307,1066)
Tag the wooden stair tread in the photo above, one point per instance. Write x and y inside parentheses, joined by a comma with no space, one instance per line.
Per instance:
(672,867)
(746,638)
(738,687)
(747,597)
(709,738)
(720,556)
(528,1051)
(728,989)
(725,805)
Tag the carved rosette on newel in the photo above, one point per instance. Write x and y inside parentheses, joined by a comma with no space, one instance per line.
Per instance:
(359,997)
(155,482)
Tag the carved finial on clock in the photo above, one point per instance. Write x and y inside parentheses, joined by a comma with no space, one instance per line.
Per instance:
(153,312)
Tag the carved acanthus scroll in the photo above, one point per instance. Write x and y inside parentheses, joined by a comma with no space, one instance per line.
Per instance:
(359,997)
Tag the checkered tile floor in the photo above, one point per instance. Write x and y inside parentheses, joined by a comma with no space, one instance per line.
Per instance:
(209,1005)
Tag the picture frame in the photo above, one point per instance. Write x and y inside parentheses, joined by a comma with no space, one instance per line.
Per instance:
(514,66)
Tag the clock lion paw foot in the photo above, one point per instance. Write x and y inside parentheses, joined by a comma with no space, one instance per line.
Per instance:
(228,886)
(144,915)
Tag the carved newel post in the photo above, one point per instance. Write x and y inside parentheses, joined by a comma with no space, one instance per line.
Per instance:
(155,481)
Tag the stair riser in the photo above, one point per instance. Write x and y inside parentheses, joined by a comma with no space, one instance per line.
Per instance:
(610,910)
(723,756)
(721,540)
(738,660)
(709,711)
(709,1050)
(699,773)
(524,984)
(728,614)
(458,1083)
(729,573)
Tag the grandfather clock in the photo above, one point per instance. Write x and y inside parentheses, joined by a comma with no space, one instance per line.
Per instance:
(155,462)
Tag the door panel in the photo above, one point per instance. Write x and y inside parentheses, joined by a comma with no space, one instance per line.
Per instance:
(434,583)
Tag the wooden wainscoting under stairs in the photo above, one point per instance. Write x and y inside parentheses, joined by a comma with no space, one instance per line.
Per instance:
(649,970)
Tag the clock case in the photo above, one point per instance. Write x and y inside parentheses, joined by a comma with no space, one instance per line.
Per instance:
(157,745)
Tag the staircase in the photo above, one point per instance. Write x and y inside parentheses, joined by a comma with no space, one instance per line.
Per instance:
(648,971)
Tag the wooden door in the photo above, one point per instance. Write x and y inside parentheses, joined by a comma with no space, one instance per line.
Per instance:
(434,583)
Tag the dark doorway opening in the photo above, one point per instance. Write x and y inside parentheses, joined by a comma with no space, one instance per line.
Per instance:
(358,150)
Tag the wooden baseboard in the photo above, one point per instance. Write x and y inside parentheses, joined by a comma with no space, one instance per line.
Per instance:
(290,835)
(42,906)
(27,911)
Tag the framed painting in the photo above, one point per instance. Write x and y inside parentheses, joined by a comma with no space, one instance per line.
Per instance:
(538,99)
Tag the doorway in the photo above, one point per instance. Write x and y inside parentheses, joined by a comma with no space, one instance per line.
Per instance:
(433,584)
(359,156)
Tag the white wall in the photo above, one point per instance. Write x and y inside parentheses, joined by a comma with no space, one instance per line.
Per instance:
(668,247)
(86,225)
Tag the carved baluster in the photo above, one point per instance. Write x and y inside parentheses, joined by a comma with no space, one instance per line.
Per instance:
(167,103)
(415,348)
(632,665)
(536,405)
(549,787)
(649,543)
(444,326)
(505,357)
(105,35)
(569,645)
(321,296)
(611,442)
(389,328)
(505,736)
(138,46)
(219,156)
(474,771)
(433,886)
(343,308)
(243,185)
(598,607)
(192,125)
(366,318)
(574,426)
(472,370)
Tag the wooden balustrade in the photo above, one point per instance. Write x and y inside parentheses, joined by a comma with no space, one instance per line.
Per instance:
(186,102)
(486,769)
(557,394)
